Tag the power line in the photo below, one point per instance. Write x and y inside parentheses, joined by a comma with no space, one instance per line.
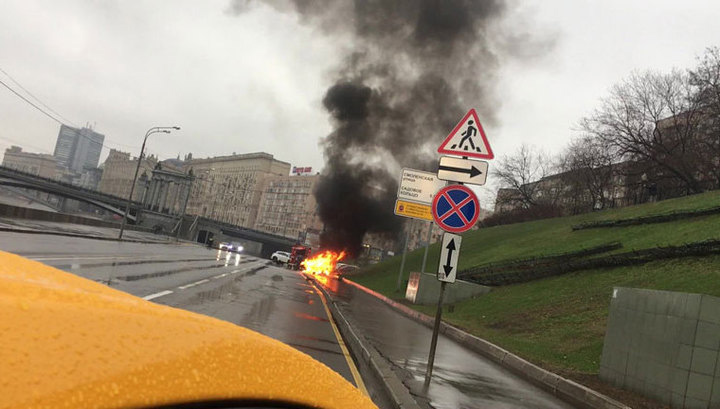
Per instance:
(107,143)
(36,98)
(29,102)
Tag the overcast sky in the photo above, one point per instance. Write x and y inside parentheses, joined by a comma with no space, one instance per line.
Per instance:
(255,82)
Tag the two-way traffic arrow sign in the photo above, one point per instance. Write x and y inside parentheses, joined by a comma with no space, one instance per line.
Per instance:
(449,254)
(463,170)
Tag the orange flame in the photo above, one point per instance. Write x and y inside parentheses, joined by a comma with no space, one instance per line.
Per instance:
(322,263)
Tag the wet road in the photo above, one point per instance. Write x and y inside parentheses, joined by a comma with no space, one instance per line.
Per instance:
(462,379)
(241,289)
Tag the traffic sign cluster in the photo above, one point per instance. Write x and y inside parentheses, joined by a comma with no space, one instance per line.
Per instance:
(455,208)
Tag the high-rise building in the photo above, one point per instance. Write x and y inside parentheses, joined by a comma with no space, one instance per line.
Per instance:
(78,148)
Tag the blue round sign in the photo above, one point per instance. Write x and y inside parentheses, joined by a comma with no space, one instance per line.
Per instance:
(455,208)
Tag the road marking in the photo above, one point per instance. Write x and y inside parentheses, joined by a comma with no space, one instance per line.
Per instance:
(182,287)
(353,369)
(156,295)
(221,275)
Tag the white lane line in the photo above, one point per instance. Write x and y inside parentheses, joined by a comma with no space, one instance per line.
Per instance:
(156,295)
(182,287)
(221,275)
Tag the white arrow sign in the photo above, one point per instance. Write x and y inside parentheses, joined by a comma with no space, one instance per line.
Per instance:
(449,255)
(463,170)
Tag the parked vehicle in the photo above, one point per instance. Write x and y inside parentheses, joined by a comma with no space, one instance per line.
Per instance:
(280,257)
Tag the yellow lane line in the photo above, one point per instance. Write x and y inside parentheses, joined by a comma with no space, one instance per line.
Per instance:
(353,369)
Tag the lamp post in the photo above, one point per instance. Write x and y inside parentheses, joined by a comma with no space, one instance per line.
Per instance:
(156,129)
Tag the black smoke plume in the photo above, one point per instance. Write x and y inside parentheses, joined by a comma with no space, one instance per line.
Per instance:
(415,68)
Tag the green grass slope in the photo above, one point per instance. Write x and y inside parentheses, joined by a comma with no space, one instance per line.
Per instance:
(559,322)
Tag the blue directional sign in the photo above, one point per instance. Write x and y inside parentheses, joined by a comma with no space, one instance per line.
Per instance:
(455,208)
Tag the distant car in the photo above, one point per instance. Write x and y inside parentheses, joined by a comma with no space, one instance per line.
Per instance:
(232,246)
(60,320)
(280,257)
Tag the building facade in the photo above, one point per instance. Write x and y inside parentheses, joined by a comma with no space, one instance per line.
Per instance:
(78,148)
(288,208)
(229,188)
(167,191)
(38,164)
(118,172)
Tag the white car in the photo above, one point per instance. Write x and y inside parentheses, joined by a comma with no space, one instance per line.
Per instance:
(280,257)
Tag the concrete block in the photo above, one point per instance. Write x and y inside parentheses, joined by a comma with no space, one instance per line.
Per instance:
(687,331)
(715,398)
(677,305)
(662,394)
(672,327)
(693,403)
(683,358)
(692,306)
(651,303)
(677,400)
(699,386)
(710,309)
(707,335)
(703,361)
(679,381)
(665,353)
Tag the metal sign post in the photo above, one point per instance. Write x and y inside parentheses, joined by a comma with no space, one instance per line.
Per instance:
(427,245)
(456,208)
(436,329)
(402,263)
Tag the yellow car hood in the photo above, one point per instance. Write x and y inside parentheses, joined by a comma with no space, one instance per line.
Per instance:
(68,342)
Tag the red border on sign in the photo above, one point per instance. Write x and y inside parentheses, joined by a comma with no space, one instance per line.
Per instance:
(481,131)
(450,229)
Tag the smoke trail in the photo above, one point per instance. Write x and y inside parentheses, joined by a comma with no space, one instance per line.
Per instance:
(416,67)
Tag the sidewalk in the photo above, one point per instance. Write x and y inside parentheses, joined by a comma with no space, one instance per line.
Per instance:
(461,378)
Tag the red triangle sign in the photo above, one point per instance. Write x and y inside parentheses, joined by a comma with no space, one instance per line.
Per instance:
(467,139)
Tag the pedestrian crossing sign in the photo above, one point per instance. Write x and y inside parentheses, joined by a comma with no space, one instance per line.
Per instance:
(467,139)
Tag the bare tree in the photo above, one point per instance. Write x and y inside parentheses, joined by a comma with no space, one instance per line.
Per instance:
(588,170)
(654,118)
(520,174)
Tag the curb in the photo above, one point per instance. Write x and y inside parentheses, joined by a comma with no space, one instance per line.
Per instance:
(363,352)
(81,236)
(565,389)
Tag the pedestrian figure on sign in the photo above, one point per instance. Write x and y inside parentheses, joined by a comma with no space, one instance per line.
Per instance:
(467,136)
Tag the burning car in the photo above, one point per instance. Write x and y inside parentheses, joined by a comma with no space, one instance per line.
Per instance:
(298,254)
(323,263)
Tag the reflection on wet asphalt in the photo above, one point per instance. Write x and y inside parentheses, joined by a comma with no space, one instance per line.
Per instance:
(273,301)
(461,378)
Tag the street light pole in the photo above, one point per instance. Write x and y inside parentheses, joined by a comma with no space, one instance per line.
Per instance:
(156,129)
